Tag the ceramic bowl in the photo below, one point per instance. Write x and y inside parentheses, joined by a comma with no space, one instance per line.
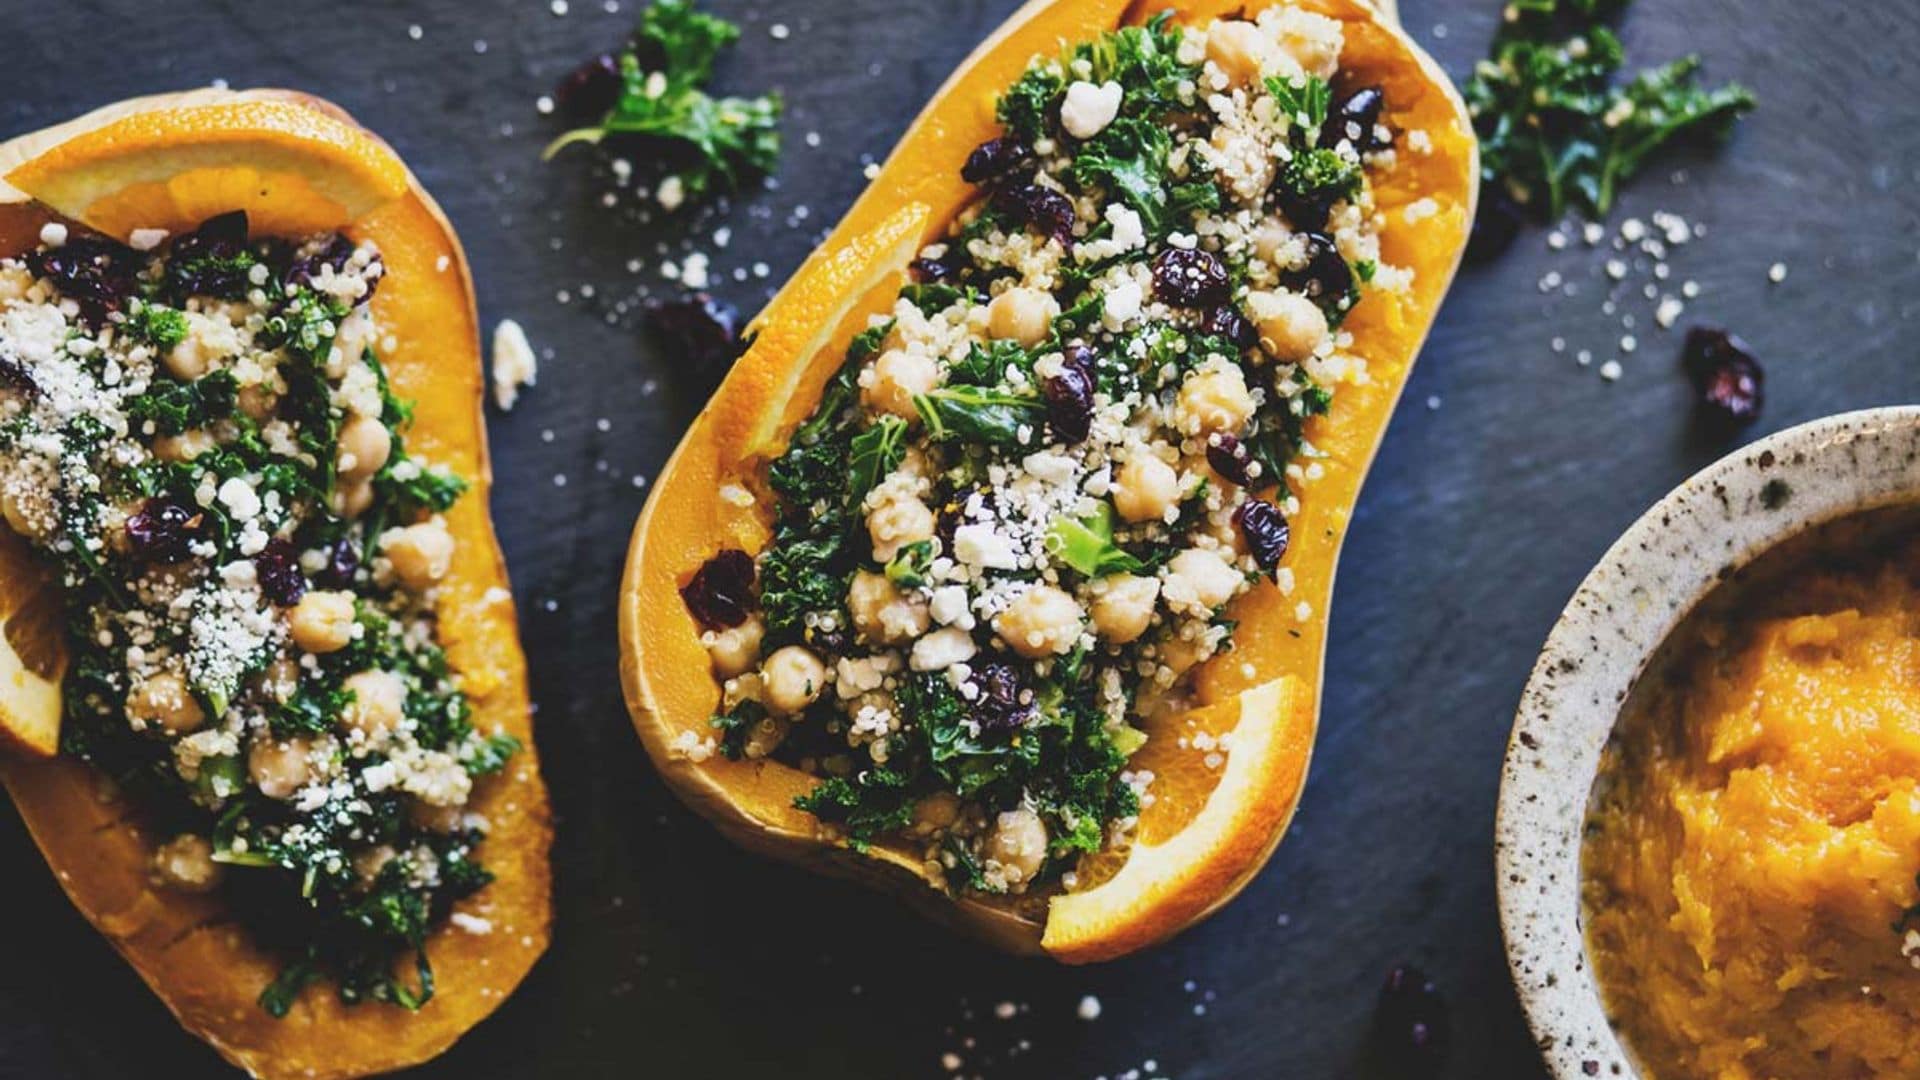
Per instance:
(1719,520)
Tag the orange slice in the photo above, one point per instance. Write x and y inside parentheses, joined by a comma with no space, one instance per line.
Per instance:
(295,170)
(1225,780)
(32,652)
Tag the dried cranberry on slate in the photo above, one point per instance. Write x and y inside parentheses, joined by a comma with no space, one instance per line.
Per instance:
(1230,459)
(1265,530)
(278,569)
(1355,118)
(720,593)
(95,272)
(1042,208)
(206,261)
(994,159)
(1070,397)
(1731,385)
(1326,278)
(162,528)
(342,561)
(697,327)
(998,706)
(1495,225)
(1410,1030)
(1190,277)
(1227,322)
(591,89)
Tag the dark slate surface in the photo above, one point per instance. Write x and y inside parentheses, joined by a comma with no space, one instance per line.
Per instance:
(1507,472)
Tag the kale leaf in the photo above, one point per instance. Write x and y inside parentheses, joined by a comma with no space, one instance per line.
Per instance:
(1129,158)
(174,407)
(978,415)
(1556,131)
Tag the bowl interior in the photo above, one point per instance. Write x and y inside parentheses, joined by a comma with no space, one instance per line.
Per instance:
(1716,522)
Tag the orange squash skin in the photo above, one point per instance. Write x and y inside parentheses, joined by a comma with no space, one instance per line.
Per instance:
(804,330)
(186,947)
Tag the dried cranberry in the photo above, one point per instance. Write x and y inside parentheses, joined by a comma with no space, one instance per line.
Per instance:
(697,327)
(1728,378)
(1227,322)
(591,89)
(1044,209)
(1410,1029)
(95,272)
(15,374)
(999,706)
(342,560)
(1069,397)
(994,159)
(278,569)
(720,593)
(162,529)
(211,260)
(1495,225)
(1265,530)
(932,271)
(1230,459)
(1356,119)
(1325,278)
(1190,277)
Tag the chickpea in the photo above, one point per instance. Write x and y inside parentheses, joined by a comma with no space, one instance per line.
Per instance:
(1018,843)
(1179,655)
(365,445)
(1022,314)
(189,359)
(185,863)
(1241,51)
(183,447)
(1042,621)
(1145,488)
(736,649)
(164,700)
(1291,326)
(280,680)
(27,513)
(379,703)
(421,554)
(897,376)
(936,812)
(791,679)
(897,523)
(439,819)
(1214,398)
(353,497)
(322,622)
(881,613)
(258,401)
(280,767)
(766,736)
(1198,580)
(1123,606)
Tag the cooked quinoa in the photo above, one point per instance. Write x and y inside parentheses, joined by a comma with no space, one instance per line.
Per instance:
(1018,517)
(199,437)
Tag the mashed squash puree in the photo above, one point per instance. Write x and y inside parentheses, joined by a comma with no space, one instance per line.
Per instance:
(1755,835)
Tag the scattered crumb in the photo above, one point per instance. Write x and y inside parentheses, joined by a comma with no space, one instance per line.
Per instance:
(1777,273)
(514,363)
(1610,370)
(1089,1008)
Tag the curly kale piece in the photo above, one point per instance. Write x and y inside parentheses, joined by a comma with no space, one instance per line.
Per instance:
(713,144)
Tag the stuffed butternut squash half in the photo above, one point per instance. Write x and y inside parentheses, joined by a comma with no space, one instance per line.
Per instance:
(263,701)
(997,570)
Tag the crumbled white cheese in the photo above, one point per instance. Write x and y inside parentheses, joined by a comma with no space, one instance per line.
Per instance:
(514,363)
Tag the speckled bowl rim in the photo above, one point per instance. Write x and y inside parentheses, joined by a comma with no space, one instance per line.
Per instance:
(1717,521)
